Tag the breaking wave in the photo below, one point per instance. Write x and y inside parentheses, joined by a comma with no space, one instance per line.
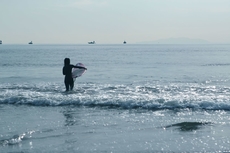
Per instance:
(16,139)
(147,96)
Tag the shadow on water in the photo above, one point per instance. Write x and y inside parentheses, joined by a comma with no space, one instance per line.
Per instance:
(71,117)
(188,126)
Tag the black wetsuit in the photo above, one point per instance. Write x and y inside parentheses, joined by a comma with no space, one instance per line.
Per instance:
(67,71)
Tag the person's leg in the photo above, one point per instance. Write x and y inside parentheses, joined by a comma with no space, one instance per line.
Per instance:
(71,84)
(66,85)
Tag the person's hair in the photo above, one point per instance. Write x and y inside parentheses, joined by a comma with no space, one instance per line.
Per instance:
(67,61)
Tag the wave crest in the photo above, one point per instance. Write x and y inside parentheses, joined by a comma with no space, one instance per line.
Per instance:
(148,96)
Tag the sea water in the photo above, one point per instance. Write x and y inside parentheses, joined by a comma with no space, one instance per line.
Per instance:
(133,98)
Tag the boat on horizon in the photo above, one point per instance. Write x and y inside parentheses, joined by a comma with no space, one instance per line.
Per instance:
(0,42)
(124,42)
(91,42)
(30,43)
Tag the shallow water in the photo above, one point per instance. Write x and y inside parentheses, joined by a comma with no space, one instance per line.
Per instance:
(133,98)
(93,129)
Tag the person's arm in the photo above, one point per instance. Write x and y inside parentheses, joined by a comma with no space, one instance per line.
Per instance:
(80,67)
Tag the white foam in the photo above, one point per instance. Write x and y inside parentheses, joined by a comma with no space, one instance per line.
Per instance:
(147,96)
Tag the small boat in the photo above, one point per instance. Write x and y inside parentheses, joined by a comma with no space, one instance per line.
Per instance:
(30,43)
(0,42)
(91,42)
(124,42)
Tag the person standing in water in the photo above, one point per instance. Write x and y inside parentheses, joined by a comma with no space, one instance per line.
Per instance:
(67,71)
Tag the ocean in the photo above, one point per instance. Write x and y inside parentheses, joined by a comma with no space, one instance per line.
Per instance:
(133,98)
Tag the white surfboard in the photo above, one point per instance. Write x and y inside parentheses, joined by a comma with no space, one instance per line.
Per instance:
(77,72)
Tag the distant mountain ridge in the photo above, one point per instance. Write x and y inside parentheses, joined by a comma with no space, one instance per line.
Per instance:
(177,41)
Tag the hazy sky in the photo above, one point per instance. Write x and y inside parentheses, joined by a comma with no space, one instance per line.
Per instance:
(112,21)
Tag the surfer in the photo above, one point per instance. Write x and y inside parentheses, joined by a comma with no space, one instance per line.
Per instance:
(67,71)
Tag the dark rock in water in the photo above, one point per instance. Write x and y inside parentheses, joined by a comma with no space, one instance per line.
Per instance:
(188,126)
